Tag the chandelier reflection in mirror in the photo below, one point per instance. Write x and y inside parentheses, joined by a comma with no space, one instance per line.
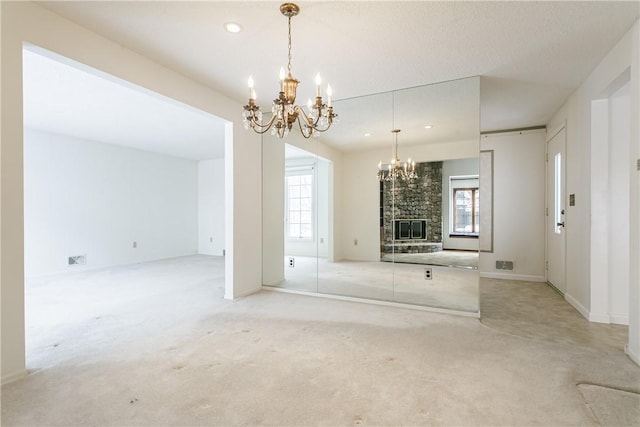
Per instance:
(317,118)
(397,169)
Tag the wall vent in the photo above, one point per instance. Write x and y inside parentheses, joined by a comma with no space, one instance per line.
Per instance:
(504,265)
(77,260)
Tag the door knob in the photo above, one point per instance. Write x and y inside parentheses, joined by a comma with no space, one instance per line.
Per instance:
(560,224)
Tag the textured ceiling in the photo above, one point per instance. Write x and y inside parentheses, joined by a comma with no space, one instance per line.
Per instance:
(531,55)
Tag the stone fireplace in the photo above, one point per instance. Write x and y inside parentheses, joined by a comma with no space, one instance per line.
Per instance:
(411,212)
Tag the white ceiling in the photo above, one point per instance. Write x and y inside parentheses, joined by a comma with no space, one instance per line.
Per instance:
(68,99)
(531,55)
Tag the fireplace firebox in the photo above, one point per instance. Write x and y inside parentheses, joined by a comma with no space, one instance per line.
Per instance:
(409,229)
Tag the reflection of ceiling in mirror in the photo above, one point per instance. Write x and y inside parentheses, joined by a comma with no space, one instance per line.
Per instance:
(293,152)
(451,108)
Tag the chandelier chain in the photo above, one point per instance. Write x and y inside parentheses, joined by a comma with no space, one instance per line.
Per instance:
(289,47)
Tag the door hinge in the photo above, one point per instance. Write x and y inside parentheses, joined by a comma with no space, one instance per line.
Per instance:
(546,211)
(546,265)
(546,157)
(638,164)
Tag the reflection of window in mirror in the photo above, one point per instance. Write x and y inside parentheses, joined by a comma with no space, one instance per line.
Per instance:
(464,206)
(299,203)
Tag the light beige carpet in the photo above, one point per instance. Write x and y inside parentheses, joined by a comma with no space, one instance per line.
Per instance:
(448,258)
(166,349)
(612,407)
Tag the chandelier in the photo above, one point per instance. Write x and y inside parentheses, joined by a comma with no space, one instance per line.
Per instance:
(397,169)
(317,118)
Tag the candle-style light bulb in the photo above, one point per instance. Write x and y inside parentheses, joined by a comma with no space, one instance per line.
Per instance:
(380,165)
(309,104)
(318,82)
(329,93)
(250,84)
(281,79)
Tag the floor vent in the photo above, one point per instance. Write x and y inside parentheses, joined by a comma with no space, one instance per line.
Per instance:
(77,260)
(504,265)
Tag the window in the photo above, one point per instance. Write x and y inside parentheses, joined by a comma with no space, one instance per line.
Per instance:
(466,211)
(299,205)
(557,209)
(464,205)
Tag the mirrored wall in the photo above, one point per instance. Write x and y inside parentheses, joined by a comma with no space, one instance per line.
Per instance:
(337,220)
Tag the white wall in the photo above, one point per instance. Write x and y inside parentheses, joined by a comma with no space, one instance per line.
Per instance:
(272,212)
(457,167)
(93,199)
(211,207)
(619,177)
(518,205)
(585,168)
(633,346)
(25,22)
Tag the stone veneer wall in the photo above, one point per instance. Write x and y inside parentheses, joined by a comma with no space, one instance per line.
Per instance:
(420,198)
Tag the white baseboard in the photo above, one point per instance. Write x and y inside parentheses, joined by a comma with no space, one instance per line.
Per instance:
(599,318)
(576,304)
(632,355)
(274,283)
(376,302)
(511,276)
(243,294)
(619,319)
(6,379)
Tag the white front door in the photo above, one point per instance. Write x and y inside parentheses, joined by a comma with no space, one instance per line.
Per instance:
(556,196)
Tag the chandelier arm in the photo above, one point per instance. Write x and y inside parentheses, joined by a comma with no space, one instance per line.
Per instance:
(310,123)
(263,128)
(307,134)
(316,128)
(307,119)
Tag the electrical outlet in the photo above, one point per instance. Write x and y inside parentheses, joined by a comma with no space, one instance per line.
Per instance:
(355,242)
(322,240)
(428,274)
(135,244)
(292,262)
(77,260)
(210,239)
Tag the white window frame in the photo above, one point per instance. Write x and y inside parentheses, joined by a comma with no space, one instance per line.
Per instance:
(461,182)
(304,170)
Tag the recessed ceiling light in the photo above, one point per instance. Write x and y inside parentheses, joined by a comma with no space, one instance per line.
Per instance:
(232,27)
(367,134)
(428,126)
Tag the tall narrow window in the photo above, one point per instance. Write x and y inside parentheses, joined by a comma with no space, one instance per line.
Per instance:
(299,207)
(557,209)
(466,208)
